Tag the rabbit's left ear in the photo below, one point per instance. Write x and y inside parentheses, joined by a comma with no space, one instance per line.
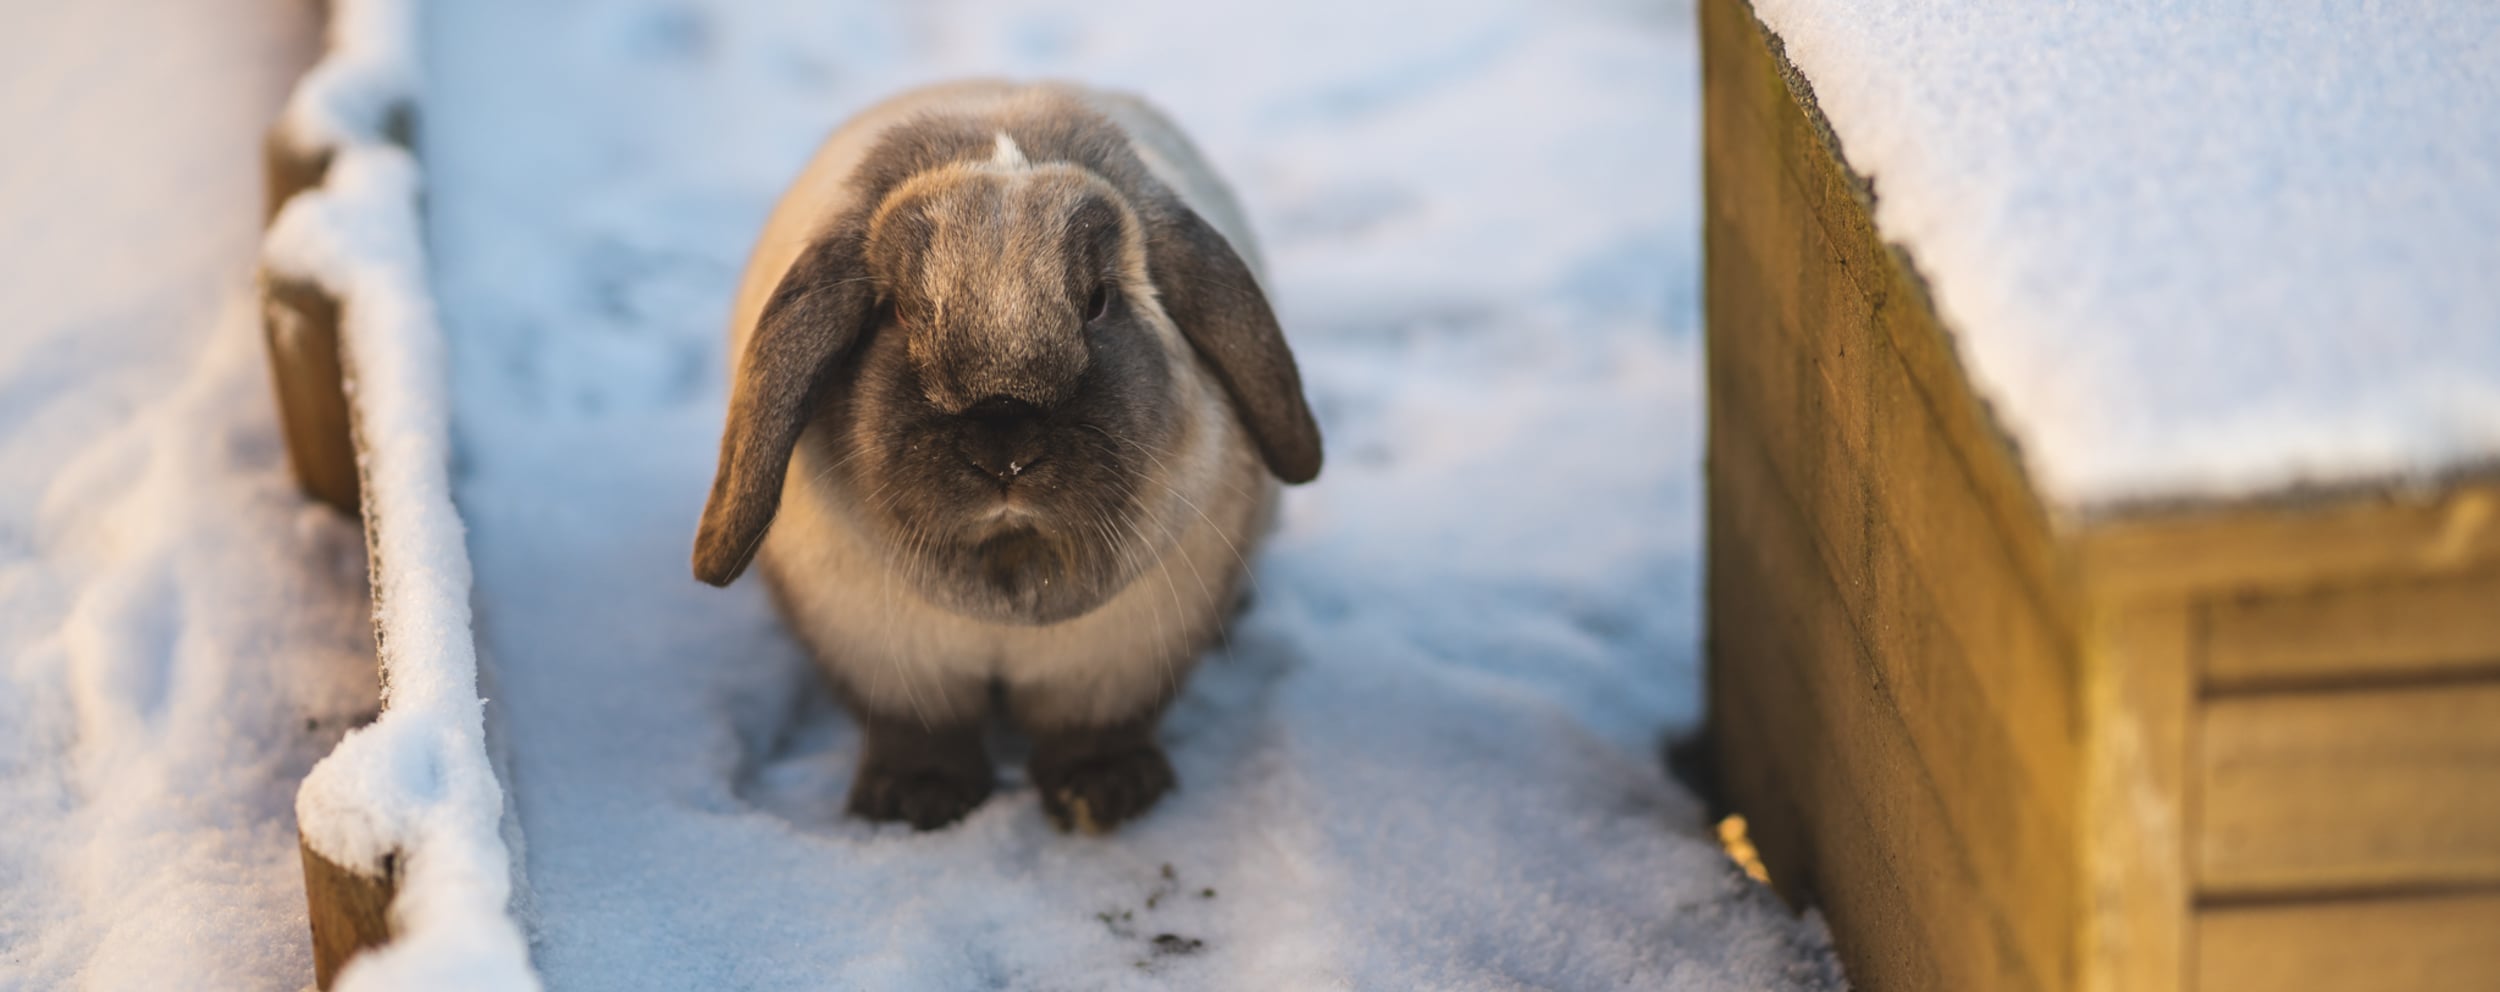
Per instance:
(1210,294)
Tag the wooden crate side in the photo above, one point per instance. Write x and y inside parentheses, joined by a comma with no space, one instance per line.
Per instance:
(1831,203)
(2344,750)
(2337,792)
(1780,758)
(1873,842)
(2013,820)
(2370,536)
(1764,776)
(1895,504)
(2449,943)
(1860,405)
(2436,628)
(2140,693)
(1972,666)
(1967,653)
(1888,290)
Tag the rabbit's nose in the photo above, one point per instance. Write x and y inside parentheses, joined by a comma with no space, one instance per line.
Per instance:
(1002,436)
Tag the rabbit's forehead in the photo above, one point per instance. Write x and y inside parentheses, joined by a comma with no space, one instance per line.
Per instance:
(982,238)
(1000,240)
(989,267)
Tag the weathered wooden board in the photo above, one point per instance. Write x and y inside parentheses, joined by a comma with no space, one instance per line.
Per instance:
(2326,793)
(2140,701)
(1944,664)
(301,323)
(350,911)
(2299,544)
(287,169)
(2166,749)
(2412,629)
(2432,943)
(1876,848)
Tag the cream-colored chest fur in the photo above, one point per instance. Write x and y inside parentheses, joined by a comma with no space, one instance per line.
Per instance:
(1207,504)
(902,654)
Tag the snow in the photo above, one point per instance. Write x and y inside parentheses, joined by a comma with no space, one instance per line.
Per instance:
(1428,758)
(367,72)
(417,784)
(2194,251)
(181,633)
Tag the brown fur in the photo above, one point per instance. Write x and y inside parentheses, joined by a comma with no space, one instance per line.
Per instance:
(1009,384)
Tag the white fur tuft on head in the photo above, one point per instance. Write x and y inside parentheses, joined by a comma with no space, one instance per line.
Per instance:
(1007,155)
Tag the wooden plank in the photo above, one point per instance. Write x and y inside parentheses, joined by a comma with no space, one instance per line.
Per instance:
(1890,300)
(2311,793)
(1758,772)
(1765,743)
(1890,497)
(2413,533)
(2449,943)
(2141,694)
(300,326)
(1834,856)
(300,321)
(2389,630)
(1878,852)
(287,170)
(1968,651)
(350,911)
(2015,820)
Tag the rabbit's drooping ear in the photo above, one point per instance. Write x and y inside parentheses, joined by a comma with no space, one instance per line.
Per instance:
(1210,294)
(811,320)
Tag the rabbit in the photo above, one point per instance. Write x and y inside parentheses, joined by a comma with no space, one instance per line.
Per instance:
(1008,415)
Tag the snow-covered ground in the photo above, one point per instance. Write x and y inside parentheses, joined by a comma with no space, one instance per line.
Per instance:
(181,634)
(1429,756)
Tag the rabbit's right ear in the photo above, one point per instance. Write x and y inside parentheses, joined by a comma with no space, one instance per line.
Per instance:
(814,316)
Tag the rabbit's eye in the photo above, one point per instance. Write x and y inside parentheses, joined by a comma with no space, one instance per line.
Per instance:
(1098,304)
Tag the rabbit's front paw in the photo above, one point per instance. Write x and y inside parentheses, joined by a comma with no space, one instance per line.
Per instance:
(1100,791)
(927,796)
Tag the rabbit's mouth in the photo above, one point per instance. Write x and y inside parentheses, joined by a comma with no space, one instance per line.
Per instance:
(1008,513)
(1045,536)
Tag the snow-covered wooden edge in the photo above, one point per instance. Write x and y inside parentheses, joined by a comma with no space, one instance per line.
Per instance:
(408,875)
(2007,749)
(2194,260)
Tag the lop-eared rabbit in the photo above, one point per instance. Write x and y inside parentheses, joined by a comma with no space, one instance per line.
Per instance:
(1008,415)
